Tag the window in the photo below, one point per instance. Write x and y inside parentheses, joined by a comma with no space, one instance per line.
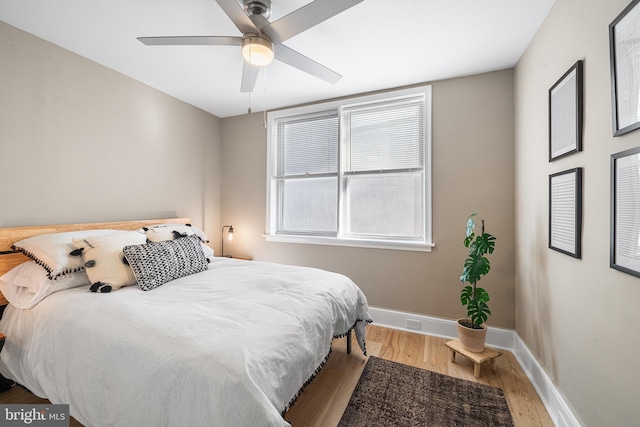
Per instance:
(354,172)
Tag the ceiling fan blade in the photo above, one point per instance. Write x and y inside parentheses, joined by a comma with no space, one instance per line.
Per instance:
(237,15)
(301,62)
(304,18)
(249,77)
(191,40)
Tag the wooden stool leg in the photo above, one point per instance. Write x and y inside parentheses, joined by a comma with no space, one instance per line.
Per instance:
(476,370)
(453,356)
(494,366)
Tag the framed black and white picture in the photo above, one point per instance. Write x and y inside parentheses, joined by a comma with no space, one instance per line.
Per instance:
(625,211)
(565,113)
(624,33)
(565,212)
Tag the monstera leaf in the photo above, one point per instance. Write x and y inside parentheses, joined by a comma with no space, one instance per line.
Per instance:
(474,268)
(477,308)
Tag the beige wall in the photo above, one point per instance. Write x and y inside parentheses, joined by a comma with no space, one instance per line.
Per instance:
(83,143)
(573,314)
(472,170)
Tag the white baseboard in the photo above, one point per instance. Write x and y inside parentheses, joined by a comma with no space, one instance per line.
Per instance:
(553,400)
(436,326)
(506,339)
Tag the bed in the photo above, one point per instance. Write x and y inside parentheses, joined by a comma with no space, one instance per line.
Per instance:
(233,344)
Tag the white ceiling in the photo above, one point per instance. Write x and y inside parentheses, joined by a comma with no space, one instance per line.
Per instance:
(377,44)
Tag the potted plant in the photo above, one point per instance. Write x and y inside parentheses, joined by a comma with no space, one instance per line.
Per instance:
(472,330)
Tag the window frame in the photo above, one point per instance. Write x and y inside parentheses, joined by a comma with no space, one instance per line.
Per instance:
(272,210)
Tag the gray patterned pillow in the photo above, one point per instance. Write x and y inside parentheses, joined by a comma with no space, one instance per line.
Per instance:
(157,263)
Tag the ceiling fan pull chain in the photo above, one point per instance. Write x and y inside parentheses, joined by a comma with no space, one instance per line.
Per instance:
(264,91)
(250,90)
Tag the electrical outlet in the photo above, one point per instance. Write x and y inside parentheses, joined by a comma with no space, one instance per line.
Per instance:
(561,422)
(414,324)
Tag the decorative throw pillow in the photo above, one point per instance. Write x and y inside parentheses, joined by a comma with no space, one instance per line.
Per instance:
(27,284)
(157,263)
(162,232)
(169,231)
(104,261)
(51,251)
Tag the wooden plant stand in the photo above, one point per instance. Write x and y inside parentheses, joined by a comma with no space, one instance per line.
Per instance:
(488,355)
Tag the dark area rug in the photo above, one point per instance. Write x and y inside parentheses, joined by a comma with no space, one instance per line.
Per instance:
(393,394)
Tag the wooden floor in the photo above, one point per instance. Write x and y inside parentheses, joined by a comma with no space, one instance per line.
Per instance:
(322,403)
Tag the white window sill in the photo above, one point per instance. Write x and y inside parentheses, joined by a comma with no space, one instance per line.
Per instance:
(357,243)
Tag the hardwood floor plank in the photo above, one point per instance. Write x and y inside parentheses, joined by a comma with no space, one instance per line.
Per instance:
(390,345)
(434,352)
(411,350)
(322,402)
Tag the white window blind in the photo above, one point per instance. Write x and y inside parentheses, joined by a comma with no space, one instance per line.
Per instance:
(385,136)
(308,145)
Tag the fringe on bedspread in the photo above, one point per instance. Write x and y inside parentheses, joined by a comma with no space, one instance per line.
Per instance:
(319,368)
(306,383)
(364,344)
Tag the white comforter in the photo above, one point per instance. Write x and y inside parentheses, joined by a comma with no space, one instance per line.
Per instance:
(231,346)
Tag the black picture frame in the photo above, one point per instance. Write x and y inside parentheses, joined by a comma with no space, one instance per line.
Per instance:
(625,212)
(625,76)
(566,113)
(565,212)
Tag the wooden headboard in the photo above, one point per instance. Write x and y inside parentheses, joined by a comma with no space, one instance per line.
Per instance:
(8,236)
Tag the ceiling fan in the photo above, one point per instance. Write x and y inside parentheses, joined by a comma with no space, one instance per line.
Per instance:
(262,40)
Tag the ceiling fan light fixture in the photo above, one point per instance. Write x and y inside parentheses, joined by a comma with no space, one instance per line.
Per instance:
(257,51)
